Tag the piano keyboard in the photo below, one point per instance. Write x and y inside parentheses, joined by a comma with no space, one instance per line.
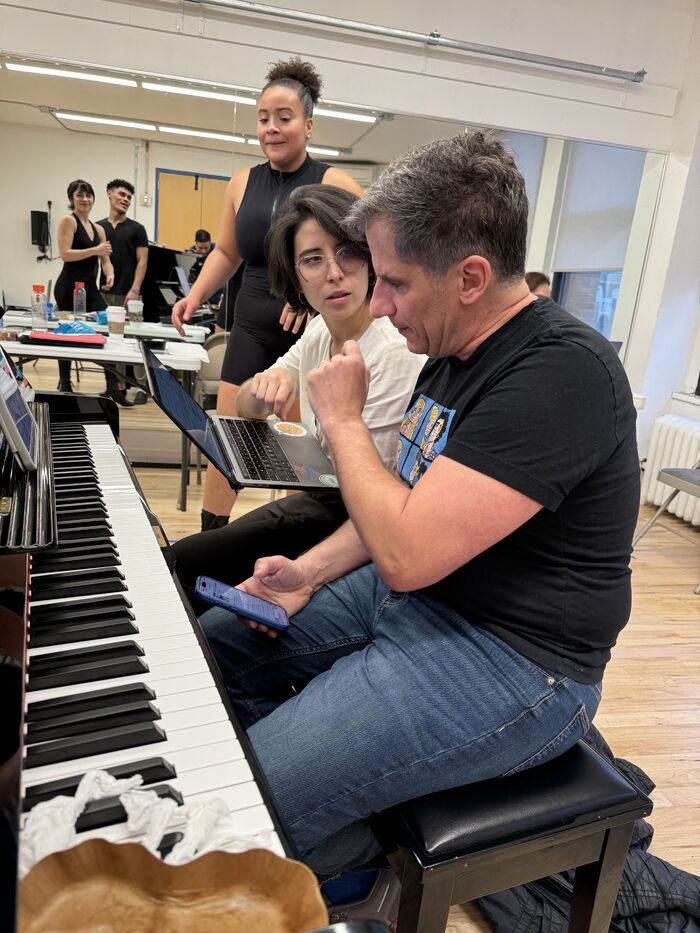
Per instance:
(116,676)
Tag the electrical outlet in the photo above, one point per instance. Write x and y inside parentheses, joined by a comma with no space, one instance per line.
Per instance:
(146,200)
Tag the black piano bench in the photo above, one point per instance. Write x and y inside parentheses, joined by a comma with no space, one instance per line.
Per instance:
(576,811)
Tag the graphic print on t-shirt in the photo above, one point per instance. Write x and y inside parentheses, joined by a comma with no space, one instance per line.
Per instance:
(422,436)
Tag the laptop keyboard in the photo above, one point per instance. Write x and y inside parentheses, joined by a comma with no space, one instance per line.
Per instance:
(259,453)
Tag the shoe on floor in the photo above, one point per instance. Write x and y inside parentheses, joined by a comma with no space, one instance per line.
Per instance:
(118,397)
(140,398)
(65,386)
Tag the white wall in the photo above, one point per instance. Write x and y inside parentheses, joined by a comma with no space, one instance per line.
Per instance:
(46,161)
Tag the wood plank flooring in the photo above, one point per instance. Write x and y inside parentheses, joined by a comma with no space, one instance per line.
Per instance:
(651,699)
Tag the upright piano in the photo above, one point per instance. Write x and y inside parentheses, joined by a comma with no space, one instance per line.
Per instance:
(102,663)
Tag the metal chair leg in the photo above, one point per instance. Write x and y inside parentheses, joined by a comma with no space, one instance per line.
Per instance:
(662,508)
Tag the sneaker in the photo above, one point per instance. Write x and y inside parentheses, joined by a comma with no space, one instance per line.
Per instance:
(140,398)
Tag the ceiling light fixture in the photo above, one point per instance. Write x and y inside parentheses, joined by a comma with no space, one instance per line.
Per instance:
(205,134)
(193,92)
(62,73)
(345,115)
(107,121)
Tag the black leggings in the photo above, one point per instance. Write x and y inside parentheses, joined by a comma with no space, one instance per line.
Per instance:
(257,339)
(286,526)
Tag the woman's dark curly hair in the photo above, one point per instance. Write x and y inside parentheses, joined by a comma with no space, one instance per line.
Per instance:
(325,204)
(301,77)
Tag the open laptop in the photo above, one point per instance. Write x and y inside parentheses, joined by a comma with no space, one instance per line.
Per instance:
(268,454)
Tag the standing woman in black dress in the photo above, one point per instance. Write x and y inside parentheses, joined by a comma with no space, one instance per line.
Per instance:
(263,327)
(82,245)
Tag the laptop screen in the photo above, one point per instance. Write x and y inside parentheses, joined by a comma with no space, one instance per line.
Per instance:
(182,279)
(181,408)
(16,406)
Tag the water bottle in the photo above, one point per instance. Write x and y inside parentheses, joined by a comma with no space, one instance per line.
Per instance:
(39,312)
(79,302)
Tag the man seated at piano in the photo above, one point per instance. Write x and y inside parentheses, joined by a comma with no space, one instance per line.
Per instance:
(457,627)
(314,268)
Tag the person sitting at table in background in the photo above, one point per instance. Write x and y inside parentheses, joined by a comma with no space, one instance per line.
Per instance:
(538,283)
(313,267)
(83,247)
(263,329)
(202,247)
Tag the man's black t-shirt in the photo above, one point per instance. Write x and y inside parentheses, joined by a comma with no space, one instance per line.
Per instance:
(544,407)
(125,238)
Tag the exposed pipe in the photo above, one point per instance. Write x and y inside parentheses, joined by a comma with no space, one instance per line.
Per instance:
(430,39)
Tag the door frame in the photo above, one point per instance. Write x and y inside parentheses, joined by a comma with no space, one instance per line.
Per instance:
(172,171)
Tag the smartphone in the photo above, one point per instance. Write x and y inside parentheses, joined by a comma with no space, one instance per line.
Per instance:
(251,607)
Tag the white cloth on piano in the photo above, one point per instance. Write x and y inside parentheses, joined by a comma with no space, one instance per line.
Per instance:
(205,825)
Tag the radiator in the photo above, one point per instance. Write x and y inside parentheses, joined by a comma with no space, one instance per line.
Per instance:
(675,442)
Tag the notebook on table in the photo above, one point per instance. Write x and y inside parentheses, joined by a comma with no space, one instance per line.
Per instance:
(249,453)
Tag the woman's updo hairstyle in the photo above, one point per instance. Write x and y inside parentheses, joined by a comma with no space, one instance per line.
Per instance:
(301,77)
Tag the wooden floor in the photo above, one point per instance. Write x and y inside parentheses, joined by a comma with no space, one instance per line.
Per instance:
(651,699)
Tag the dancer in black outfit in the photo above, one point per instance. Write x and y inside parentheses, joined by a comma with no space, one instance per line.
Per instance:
(81,243)
(264,327)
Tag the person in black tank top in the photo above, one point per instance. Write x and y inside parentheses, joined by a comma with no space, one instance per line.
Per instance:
(82,245)
(263,327)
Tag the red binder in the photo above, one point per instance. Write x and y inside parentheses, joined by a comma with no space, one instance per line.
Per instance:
(50,339)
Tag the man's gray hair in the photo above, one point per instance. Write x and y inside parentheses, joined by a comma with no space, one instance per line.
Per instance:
(450,199)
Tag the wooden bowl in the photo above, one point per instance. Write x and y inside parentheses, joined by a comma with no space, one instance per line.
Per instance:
(102,887)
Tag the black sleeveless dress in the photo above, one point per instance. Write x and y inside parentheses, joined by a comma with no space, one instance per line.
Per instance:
(84,270)
(257,338)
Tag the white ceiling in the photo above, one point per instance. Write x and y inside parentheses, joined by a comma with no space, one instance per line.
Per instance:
(22,95)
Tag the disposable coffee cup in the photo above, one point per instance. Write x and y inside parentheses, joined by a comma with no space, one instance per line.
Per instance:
(135,311)
(115,321)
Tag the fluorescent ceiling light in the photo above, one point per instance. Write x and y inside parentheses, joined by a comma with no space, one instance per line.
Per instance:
(345,115)
(61,73)
(107,121)
(323,150)
(193,92)
(181,131)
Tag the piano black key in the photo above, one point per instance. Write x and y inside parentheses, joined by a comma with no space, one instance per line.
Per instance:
(150,769)
(64,724)
(101,558)
(105,606)
(168,843)
(60,586)
(92,699)
(84,513)
(97,743)
(76,520)
(108,811)
(85,668)
(64,634)
(97,532)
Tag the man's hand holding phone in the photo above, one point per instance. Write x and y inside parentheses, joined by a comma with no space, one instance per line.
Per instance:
(276,580)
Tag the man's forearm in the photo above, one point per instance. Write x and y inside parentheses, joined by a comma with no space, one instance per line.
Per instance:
(139,275)
(337,555)
(375,499)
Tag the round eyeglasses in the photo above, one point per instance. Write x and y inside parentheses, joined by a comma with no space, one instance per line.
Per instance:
(314,268)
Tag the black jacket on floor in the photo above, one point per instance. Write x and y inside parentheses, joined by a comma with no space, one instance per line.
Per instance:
(654,896)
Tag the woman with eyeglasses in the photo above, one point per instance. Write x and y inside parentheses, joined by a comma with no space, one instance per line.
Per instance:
(314,268)
(262,327)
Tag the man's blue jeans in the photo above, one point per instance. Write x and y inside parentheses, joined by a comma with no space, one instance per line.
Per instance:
(373,697)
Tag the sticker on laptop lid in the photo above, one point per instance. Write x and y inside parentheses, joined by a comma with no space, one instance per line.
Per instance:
(290,428)
(329,479)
